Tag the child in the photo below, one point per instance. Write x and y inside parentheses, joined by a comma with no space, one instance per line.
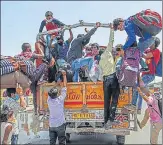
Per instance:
(6,127)
(12,101)
(57,123)
(152,112)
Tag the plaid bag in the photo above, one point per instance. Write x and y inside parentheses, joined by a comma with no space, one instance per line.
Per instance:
(27,67)
(8,65)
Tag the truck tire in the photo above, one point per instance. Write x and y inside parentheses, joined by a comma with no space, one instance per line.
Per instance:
(67,137)
(120,139)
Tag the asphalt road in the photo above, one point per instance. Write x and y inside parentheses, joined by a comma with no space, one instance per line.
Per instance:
(139,137)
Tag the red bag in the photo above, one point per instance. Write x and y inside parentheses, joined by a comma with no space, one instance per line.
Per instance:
(149,21)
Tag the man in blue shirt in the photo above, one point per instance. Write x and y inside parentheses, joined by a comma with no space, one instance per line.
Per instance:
(60,49)
(132,30)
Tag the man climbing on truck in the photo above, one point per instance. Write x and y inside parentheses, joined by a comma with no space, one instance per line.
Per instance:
(151,55)
(133,27)
(110,81)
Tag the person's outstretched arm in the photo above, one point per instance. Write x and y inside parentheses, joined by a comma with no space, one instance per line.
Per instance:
(90,33)
(59,23)
(43,23)
(145,119)
(71,36)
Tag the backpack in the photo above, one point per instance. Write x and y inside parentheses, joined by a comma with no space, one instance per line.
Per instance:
(158,66)
(149,21)
(128,76)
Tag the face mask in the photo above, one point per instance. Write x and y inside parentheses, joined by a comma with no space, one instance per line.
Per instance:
(16,97)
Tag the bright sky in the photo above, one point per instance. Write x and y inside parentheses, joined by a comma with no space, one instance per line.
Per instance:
(20,20)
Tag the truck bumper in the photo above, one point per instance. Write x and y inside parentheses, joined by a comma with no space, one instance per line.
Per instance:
(97,130)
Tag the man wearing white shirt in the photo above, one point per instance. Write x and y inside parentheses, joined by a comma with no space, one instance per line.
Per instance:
(57,123)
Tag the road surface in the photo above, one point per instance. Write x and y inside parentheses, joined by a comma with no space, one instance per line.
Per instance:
(41,137)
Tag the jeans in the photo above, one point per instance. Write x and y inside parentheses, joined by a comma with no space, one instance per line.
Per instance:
(146,79)
(59,132)
(111,91)
(48,54)
(62,63)
(144,43)
(48,37)
(14,139)
(78,63)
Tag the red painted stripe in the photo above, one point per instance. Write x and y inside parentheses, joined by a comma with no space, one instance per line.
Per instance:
(92,103)
(73,103)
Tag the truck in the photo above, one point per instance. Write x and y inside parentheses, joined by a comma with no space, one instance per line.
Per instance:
(84,110)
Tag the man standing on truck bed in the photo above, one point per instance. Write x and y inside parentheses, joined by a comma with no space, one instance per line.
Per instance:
(110,81)
(75,53)
(57,123)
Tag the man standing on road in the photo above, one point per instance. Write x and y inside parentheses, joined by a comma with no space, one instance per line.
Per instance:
(57,123)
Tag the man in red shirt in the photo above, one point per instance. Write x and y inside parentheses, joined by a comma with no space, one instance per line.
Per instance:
(151,56)
(50,23)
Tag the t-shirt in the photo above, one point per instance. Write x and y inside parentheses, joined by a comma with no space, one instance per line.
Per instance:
(56,108)
(15,106)
(63,50)
(154,112)
(150,61)
(60,51)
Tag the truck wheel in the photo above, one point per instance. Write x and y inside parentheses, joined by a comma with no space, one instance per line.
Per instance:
(120,139)
(67,137)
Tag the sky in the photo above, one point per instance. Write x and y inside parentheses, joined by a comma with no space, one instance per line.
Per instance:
(20,20)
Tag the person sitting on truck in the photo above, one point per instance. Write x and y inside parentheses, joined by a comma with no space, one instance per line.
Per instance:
(60,49)
(110,81)
(154,112)
(50,23)
(57,123)
(27,58)
(74,56)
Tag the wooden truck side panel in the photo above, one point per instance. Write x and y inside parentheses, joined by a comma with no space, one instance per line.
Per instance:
(79,94)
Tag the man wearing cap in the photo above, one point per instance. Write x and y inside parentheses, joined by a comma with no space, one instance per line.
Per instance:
(132,31)
(57,123)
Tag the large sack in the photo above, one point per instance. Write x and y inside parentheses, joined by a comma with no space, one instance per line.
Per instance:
(11,80)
